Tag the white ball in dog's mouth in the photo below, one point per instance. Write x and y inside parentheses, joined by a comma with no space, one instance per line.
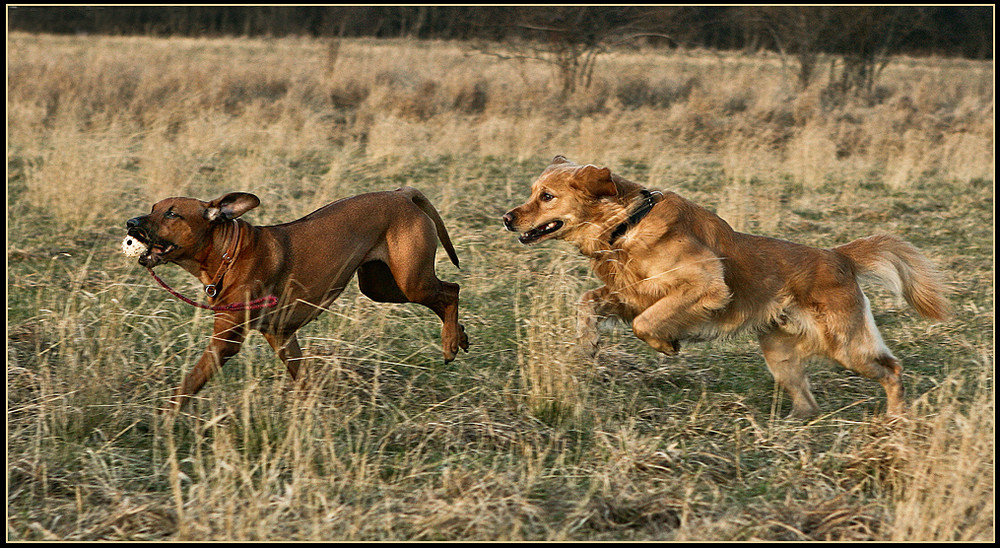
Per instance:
(132,247)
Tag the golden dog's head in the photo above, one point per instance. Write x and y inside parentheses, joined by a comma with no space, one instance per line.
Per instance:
(178,228)
(565,199)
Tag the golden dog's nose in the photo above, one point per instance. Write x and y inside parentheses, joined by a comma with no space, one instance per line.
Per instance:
(508,221)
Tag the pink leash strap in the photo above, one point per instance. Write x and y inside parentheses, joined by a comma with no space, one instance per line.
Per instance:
(263,302)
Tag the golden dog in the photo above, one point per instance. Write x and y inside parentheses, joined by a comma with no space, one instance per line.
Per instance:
(678,272)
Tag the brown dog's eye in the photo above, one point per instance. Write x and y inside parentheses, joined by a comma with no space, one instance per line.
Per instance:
(545,197)
(171,215)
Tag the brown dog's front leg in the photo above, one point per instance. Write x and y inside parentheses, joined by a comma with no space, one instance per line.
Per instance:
(226,340)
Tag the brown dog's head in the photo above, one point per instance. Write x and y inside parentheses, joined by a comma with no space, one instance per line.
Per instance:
(563,200)
(178,228)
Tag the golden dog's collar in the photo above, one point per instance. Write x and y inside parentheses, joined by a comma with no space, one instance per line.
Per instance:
(648,200)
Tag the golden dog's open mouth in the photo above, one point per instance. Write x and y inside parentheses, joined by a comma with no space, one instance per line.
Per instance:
(540,232)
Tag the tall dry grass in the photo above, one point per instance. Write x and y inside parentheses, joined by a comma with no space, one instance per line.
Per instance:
(521,438)
(172,111)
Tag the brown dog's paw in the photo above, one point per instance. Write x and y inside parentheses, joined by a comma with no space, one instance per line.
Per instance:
(452,343)
(167,409)
(172,406)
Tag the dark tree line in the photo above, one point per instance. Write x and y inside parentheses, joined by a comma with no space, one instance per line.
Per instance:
(965,31)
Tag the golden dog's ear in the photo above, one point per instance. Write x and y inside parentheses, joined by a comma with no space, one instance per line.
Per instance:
(595,181)
(230,206)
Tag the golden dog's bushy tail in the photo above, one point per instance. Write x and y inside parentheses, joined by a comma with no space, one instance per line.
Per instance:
(427,207)
(903,269)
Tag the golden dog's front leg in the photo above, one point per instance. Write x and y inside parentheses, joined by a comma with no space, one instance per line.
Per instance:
(596,306)
(685,307)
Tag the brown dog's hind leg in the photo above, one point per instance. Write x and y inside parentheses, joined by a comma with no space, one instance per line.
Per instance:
(414,281)
(378,283)
(410,275)
(444,303)
(286,346)
(785,363)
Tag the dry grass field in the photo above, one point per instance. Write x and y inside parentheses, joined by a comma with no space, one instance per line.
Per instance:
(518,439)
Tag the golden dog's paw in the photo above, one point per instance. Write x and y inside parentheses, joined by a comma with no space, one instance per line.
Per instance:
(666,347)
(586,350)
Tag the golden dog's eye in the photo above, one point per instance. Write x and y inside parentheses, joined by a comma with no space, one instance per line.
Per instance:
(545,197)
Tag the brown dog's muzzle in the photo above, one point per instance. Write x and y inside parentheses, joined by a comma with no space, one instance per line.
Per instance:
(157,247)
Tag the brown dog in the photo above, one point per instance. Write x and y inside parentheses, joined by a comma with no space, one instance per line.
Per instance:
(388,238)
(678,272)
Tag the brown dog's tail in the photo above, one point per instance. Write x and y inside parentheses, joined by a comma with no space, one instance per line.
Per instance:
(427,207)
(903,269)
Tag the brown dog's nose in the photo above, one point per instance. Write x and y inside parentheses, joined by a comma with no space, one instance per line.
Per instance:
(508,221)
(133,222)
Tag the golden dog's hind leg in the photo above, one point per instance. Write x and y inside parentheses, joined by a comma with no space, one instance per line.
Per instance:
(785,363)
(882,367)
(862,350)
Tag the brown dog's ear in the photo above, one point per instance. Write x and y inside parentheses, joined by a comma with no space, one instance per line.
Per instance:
(231,206)
(560,159)
(595,181)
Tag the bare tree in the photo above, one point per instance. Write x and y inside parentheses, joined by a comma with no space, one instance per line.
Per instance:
(870,35)
(568,37)
(861,36)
